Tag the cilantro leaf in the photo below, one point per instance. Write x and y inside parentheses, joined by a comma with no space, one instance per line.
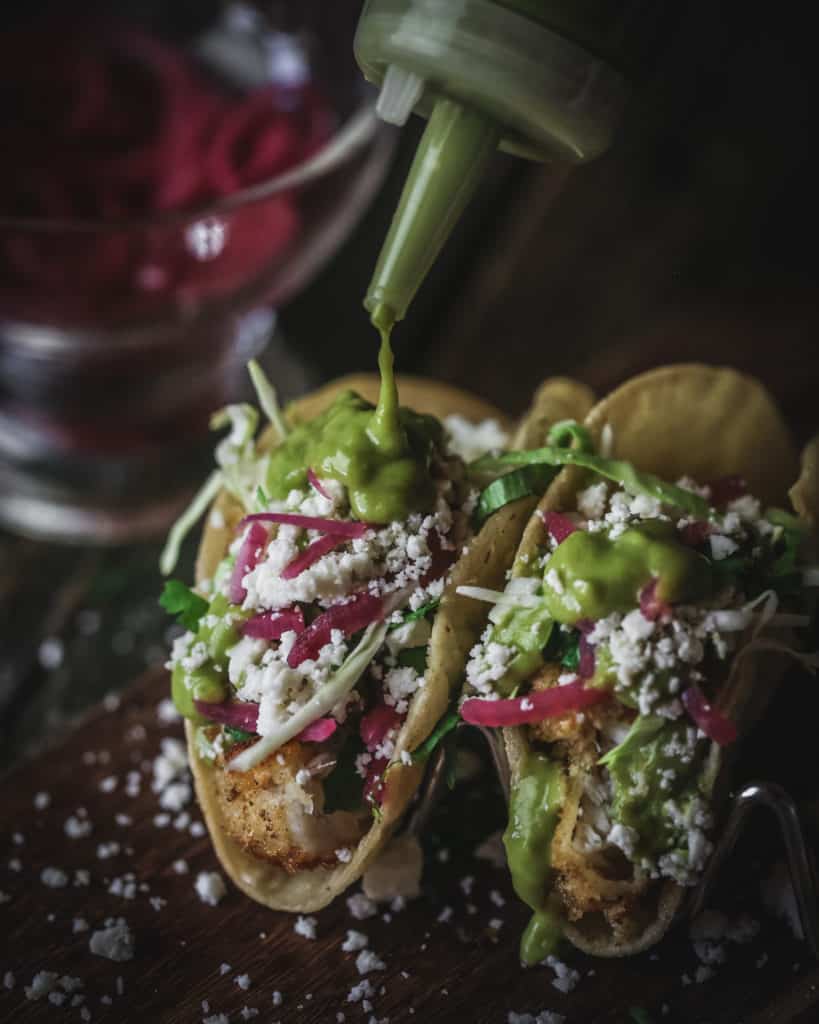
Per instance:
(563,647)
(238,735)
(445,725)
(419,613)
(179,600)
(643,729)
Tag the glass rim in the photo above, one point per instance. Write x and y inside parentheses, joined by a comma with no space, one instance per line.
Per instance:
(356,131)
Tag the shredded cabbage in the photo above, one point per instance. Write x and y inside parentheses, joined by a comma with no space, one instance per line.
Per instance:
(335,689)
(268,399)
(180,529)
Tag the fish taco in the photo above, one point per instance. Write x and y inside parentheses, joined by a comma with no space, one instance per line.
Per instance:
(324,641)
(658,587)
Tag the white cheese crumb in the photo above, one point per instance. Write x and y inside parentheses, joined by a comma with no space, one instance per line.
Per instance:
(9,980)
(181,867)
(367,961)
(210,887)
(354,941)
(54,878)
(41,984)
(361,991)
(471,440)
(108,784)
(114,942)
(277,998)
(344,855)
(42,801)
(77,827)
(565,977)
(360,906)
(305,926)
(243,981)
(721,546)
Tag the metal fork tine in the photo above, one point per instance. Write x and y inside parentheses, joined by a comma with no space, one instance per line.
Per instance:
(777,800)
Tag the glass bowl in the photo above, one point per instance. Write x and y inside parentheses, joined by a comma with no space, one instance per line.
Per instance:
(119,337)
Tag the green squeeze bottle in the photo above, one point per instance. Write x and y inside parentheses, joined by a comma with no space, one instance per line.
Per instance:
(545,79)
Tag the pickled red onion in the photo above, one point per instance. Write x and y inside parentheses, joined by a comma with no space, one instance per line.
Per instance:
(534,707)
(271,625)
(246,560)
(377,723)
(559,525)
(319,731)
(312,553)
(317,485)
(713,723)
(652,606)
(239,714)
(342,527)
(349,617)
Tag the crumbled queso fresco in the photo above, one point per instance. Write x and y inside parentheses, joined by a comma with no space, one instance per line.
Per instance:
(387,561)
(651,657)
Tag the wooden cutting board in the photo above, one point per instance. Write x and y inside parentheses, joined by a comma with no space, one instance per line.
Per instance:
(456,964)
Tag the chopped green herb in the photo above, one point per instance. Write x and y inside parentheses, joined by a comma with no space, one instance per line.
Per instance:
(415,658)
(639,1015)
(179,600)
(525,482)
(419,613)
(238,735)
(445,726)
(563,647)
(262,499)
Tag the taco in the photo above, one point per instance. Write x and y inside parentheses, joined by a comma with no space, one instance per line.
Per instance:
(324,640)
(655,591)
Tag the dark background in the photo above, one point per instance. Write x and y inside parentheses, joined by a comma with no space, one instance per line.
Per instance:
(693,238)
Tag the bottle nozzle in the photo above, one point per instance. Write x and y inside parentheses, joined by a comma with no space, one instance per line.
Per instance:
(400,91)
(449,163)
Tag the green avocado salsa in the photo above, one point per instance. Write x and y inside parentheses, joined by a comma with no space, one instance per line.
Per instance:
(598,575)
(381,455)
(534,807)
(655,765)
(595,576)
(218,632)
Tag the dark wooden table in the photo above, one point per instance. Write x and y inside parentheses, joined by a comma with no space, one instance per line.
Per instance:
(449,956)
(693,239)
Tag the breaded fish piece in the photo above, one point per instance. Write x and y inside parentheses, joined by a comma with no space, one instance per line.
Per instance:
(273,816)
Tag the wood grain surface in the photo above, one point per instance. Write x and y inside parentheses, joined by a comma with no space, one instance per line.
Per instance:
(459,964)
